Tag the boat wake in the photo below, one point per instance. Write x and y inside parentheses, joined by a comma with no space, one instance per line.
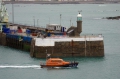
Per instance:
(61,68)
(20,66)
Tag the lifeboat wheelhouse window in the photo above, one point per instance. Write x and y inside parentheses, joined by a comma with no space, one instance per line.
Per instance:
(56,61)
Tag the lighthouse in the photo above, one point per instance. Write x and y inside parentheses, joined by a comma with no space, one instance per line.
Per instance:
(79,23)
(75,31)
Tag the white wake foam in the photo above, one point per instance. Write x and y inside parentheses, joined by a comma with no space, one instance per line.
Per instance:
(20,66)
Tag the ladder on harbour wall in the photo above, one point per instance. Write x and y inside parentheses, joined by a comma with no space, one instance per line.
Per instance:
(32,54)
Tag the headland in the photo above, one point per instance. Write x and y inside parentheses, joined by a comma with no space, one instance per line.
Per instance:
(62,2)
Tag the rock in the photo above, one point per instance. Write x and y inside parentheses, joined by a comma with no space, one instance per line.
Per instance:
(113,18)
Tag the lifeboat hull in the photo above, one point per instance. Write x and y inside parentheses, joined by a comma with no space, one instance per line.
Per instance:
(75,64)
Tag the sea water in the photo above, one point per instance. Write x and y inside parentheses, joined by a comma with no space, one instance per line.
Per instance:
(17,64)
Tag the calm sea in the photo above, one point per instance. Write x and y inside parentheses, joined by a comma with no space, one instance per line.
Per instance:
(17,64)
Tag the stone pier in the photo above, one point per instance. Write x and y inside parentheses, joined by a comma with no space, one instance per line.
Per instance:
(84,46)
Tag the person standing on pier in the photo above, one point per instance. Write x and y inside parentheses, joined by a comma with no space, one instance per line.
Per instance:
(19,30)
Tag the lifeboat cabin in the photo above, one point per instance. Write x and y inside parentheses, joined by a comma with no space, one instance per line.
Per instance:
(57,62)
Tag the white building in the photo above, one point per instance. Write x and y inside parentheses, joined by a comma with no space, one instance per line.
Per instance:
(55,27)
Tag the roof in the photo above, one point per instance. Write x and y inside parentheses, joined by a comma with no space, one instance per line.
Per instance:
(53,24)
(79,15)
(70,31)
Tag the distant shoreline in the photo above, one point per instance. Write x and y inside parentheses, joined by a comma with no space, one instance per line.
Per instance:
(62,2)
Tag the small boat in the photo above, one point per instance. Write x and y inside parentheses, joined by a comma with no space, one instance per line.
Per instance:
(58,62)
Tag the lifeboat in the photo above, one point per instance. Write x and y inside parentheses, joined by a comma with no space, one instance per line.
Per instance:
(58,62)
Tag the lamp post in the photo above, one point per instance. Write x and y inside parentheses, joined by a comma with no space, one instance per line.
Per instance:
(37,22)
(60,19)
(13,11)
(70,22)
(34,20)
(49,20)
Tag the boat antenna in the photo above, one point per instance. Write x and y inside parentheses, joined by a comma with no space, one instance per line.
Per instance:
(48,55)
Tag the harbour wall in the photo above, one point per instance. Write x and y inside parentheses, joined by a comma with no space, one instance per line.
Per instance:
(15,41)
(87,48)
